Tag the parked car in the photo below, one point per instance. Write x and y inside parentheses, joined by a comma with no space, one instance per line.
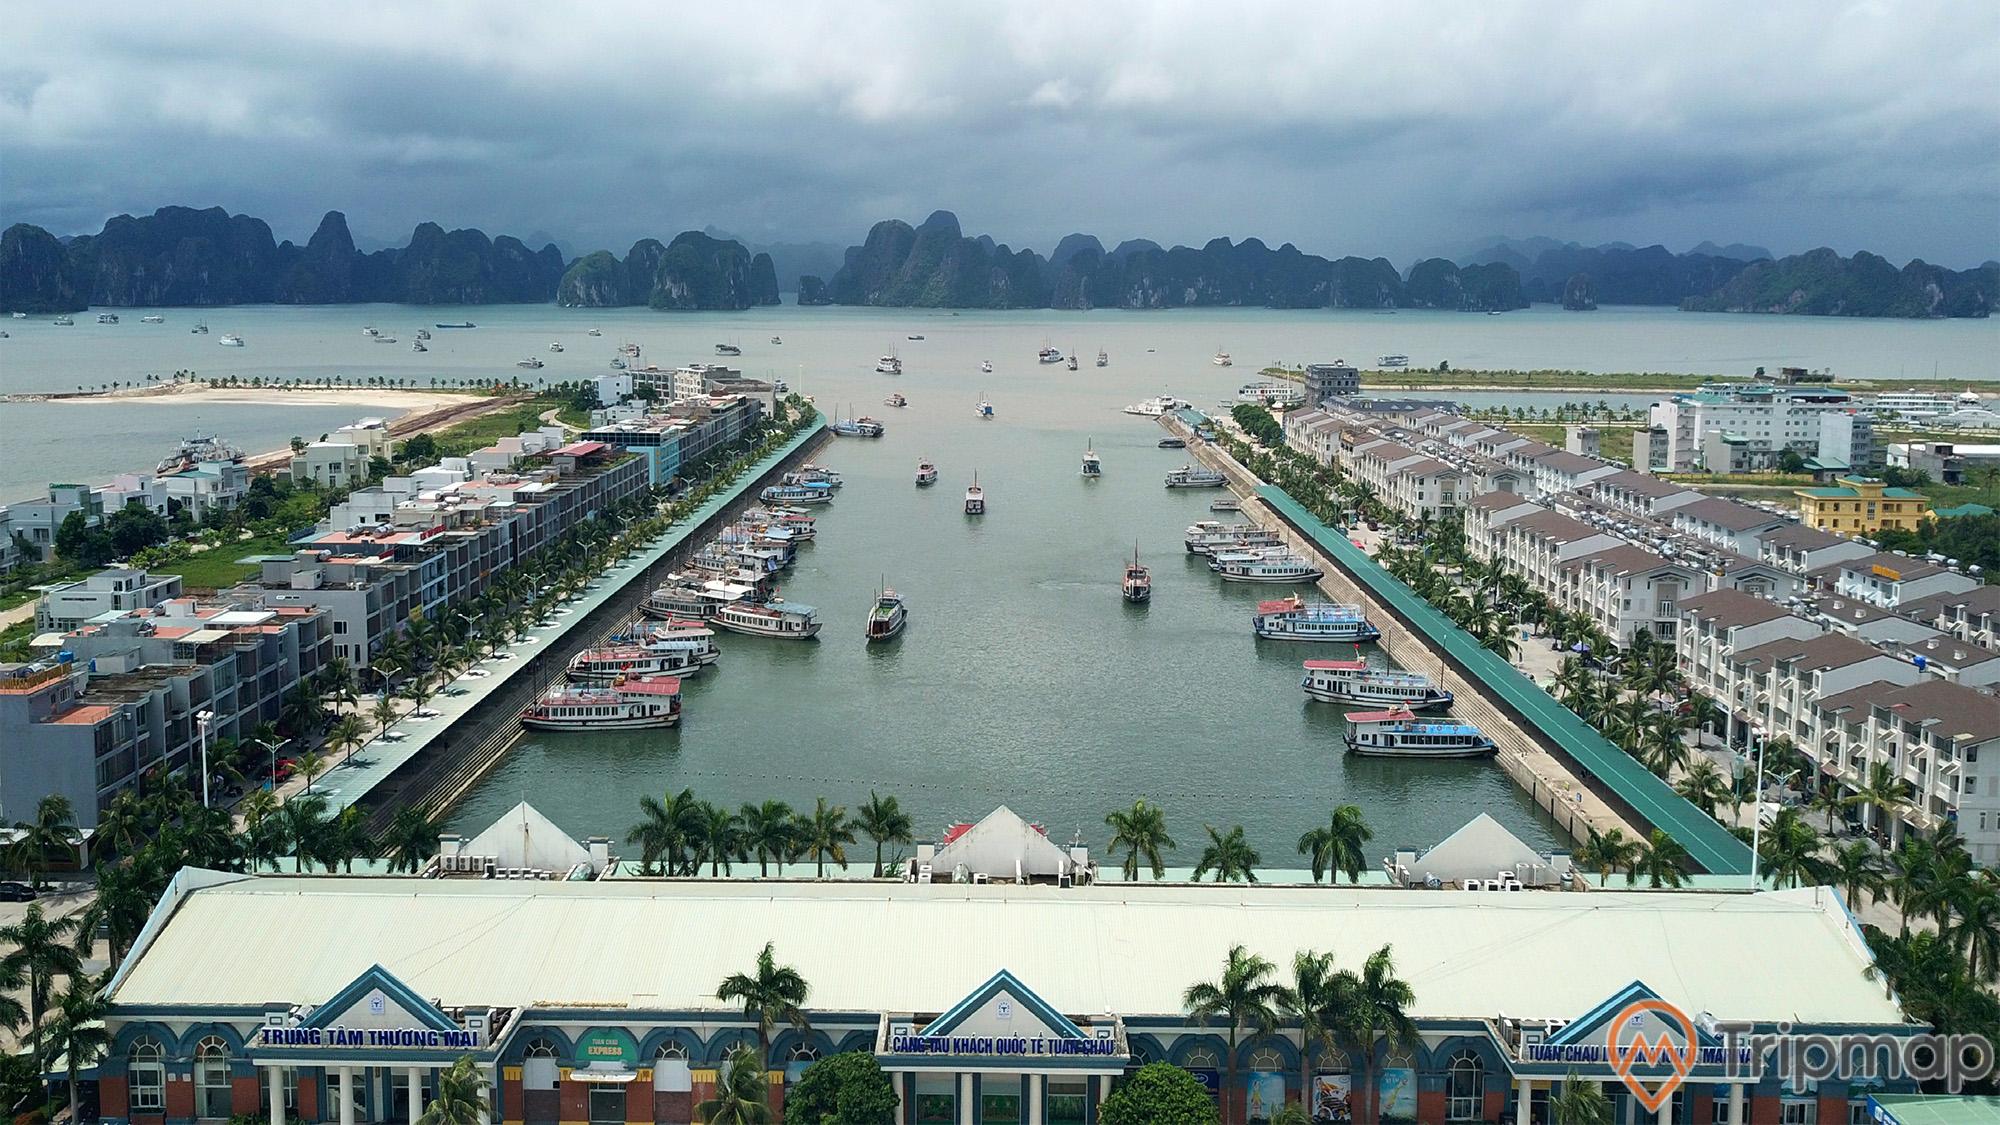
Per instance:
(16,892)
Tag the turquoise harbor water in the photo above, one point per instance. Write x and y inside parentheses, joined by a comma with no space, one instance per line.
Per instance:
(1023,678)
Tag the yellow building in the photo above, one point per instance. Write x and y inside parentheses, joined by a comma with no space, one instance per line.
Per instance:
(1861,505)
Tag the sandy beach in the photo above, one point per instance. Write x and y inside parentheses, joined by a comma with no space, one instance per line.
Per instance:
(403,401)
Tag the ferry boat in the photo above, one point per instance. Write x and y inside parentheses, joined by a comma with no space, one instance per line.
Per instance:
(667,629)
(530,363)
(460,324)
(975,498)
(1353,681)
(1190,476)
(1048,355)
(230,340)
(1210,536)
(1392,361)
(107,318)
(63,321)
(896,400)
(1154,407)
(689,598)
(1222,360)
(810,473)
(984,409)
(1295,619)
(797,521)
(887,617)
(635,703)
(152,318)
(1398,733)
(796,494)
(775,618)
(728,349)
(606,663)
(915,336)
(986,367)
(193,451)
(1071,362)
(1092,467)
(889,365)
(199,330)
(1103,358)
(1263,566)
(1137,585)
(863,426)
(927,474)
(1172,443)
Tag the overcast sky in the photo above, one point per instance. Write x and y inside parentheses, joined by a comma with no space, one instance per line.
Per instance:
(1399,130)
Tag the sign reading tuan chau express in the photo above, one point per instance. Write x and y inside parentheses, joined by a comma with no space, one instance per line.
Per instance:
(1004,1045)
(368,1037)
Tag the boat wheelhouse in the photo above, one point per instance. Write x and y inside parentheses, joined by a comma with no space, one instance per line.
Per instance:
(1398,733)
(1194,476)
(688,598)
(629,703)
(1155,407)
(813,474)
(889,365)
(1048,354)
(1295,619)
(1263,566)
(1354,681)
(1397,360)
(887,616)
(678,657)
(984,409)
(1209,536)
(775,618)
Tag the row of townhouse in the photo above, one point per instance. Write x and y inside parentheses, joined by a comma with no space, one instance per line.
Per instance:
(28,528)
(132,690)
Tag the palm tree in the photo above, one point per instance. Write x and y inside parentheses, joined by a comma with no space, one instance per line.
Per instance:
(741,1093)
(1702,785)
(40,949)
(1975,927)
(384,712)
(410,841)
(718,838)
(1246,995)
(304,819)
(1913,877)
(347,734)
(1579,1103)
(665,832)
(1142,831)
(1606,852)
(1375,1002)
(773,994)
(347,838)
(1883,792)
(460,1097)
(1312,1002)
(1337,847)
(1230,856)
(52,833)
(75,1031)
(768,832)
(884,822)
(308,764)
(1703,713)
(826,832)
(1662,860)
(1857,871)
(1789,850)
(126,892)
(122,827)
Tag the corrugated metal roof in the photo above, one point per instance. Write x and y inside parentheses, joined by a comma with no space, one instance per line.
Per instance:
(1653,800)
(1126,949)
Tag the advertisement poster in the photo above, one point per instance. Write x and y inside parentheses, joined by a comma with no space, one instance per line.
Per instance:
(1396,1093)
(1266,1094)
(1333,1097)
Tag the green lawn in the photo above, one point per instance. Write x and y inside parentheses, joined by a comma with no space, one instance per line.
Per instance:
(1614,440)
(217,568)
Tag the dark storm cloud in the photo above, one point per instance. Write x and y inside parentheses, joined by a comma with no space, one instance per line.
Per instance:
(1391,130)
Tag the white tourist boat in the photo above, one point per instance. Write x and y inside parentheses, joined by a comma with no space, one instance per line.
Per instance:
(1210,536)
(1092,467)
(230,340)
(1155,407)
(628,703)
(1392,361)
(889,364)
(152,318)
(1263,566)
(1295,619)
(678,657)
(1194,476)
(424,333)
(1071,362)
(531,363)
(896,400)
(1353,681)
(1137,585)
(1103,358)
(693,598)
(1048,354)
(369,330)
(418,346)
(728,349)
(986,367)
(107,318)
(1222,360)
(975,498)
(668,629)
(64,321)
(1399,733)
(887,616)
(555,345)
(810,473)
(775,618)
(385,339)
(927,474)
(796,494)
(199,330)
(984,410)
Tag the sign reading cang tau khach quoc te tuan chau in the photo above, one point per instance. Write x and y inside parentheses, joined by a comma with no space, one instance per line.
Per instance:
(999,1045)
(368,1037)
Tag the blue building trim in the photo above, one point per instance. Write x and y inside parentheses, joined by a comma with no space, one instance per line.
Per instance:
(1003,981)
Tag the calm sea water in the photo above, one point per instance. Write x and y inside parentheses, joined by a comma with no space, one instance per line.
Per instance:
(825,347)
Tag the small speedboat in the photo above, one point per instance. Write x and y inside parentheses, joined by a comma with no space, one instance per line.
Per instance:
(153,318)
(199,330)
(555,346)
(887,617)
(1172,443)
(916,336)
(1092,467)
(1071,362)
(984,409)
(777,339)
(530,363)
(1048,355)
(896,400)
(423,333)
(1222,359)
(594,332)
(728,349)
(460,324)
(418,346)
(1103,358)
(986,366)
(230,340)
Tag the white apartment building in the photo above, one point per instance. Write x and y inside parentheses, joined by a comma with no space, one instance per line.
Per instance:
(1626,589)
(1972,615)
(1641,494)
(1815,421)
(1933,734)
(1717,625)
(1726,523)
(208,486)
(1562,471)
(1889,579)
(1801,549)
(1775,686)
(67,605)
(1538,544)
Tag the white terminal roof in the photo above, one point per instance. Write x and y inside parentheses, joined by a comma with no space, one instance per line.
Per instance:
(1109,949)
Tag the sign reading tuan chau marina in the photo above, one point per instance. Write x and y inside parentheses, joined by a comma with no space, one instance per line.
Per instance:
(1000,1045)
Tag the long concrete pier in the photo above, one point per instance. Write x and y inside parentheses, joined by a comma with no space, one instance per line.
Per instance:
(1575,799)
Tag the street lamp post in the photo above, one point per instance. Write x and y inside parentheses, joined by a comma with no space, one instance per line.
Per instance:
(201,721)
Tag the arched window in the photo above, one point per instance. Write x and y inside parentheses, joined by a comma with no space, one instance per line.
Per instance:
(211,1078)
(670,1069)
(1465,1089)
(797,1060)
(1201,1058)
(1268,1059)
(146,1073)
(538,1066)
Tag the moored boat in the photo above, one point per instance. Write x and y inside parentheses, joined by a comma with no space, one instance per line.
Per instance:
(1194,476)
(606,663)
(1209,536)
(889,364)
(887,616)
(1263,566)
(810,473)
(64,321)
(1295,619)
(1222,359)
(1092,467)
(530,363)
(975,498)
(1398,733)
(1353,681)
(230,340)
(775,618)
(1225,504)
(1103,358)
(728,349)
(555,345)
(1071,362)
(896,400)
(107,318)
(460,324)
(693,598)
(1137,585)
(628,703)
(199,330)
(927,474)
(152,318)
(796,494)
(984,409)
(1172,443)
(1048,355)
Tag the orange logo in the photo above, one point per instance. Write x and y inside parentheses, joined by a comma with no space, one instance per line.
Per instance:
(1629,1048)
